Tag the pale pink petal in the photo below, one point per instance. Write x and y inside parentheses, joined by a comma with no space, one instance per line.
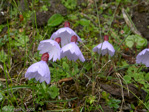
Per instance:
(40,71)
(72,52)
(104,48)
(146,60)
(65,33)
(50,46)
(143,57)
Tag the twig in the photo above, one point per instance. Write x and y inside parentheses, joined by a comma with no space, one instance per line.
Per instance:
(119,76)
(130,23)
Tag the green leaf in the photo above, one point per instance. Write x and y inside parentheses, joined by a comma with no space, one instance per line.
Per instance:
(53,91)
(1,27)
(84,22)
(69,4)
(72,17)
(65,66)
(113,103)
(140,42)
(115,106)
(147,77)
(88,66)
(44,86)
(129,44)
(21,40)
(147,104)
(92,99)
(1,97)
(44,8)
(126,29)
(8,109)
(75,70)
(137,39)
(139,77)
(3,56)
(127,79)
(117,1)
(55,20)
(129,41)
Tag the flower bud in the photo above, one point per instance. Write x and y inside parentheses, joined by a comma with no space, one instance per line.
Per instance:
(45,57)
(106,37)
(58,40)
(66,24)
(21,17)
(74,38)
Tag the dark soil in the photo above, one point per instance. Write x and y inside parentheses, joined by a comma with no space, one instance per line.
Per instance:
(141,19)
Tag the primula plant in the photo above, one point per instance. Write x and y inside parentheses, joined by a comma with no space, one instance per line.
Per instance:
(105,47)
(51,49)
(40,70)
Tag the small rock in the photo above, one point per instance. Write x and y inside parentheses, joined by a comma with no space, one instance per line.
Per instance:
(2,18)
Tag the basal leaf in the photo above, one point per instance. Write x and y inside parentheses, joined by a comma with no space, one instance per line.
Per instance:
(53,91)
(137,39)
(129,41)
(129,44)
(84,22)
(127,79)
(140,41)
(55,20)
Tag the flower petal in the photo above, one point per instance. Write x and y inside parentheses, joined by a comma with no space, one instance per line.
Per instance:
(72,52)
(65,33)
(143,57)
(104,48)
(50,46)
(40,71)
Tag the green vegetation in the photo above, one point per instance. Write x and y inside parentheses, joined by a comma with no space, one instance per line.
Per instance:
(101,83)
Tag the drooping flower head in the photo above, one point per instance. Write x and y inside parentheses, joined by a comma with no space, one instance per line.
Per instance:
(105,47)
(143,57)
(65,33)
(40,70)
(72,51)
(52,47)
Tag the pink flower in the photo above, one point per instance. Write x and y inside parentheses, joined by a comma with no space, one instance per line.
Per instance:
(143,57)
(72,51)
(65,33)
(40,70)
(52,47)
(105,47)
